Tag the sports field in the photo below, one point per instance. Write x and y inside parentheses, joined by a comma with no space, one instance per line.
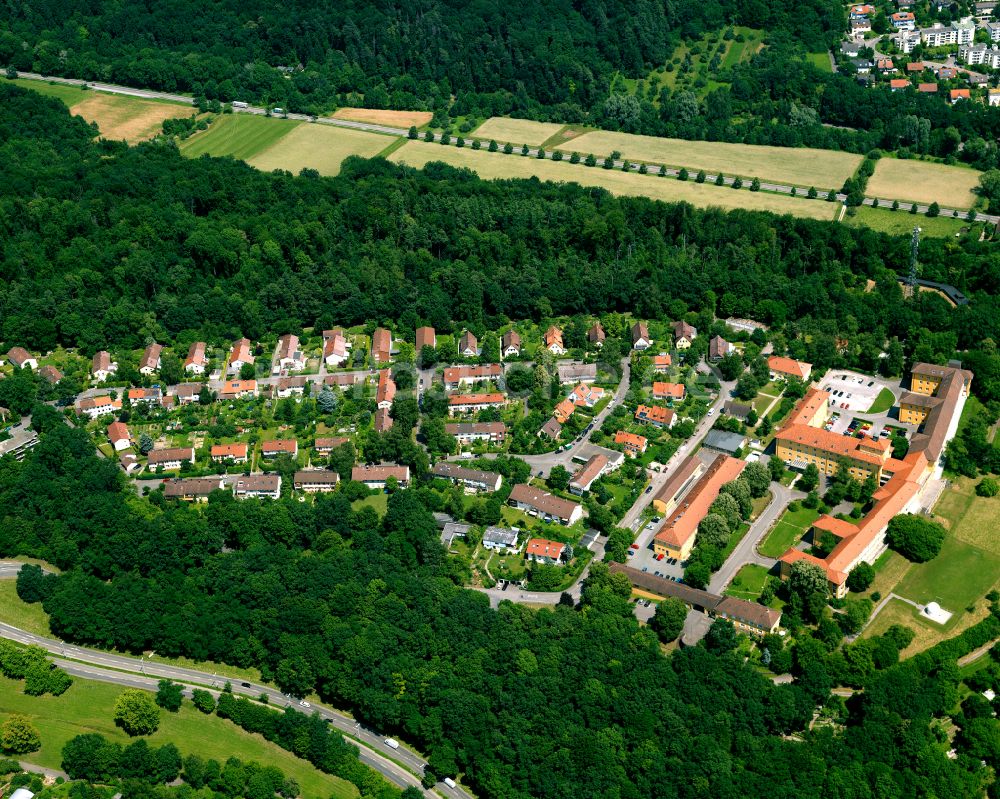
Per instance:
(319,147)
(515,131)
(799,166)
(239,135)
(923,182)
(378,116)
(89,707)
(499,166)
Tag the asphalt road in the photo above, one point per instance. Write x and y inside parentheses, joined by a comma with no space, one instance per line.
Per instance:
(401,766)
(532,152)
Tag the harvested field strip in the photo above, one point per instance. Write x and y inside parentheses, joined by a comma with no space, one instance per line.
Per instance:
(319,147)
(923,182)
(516,131)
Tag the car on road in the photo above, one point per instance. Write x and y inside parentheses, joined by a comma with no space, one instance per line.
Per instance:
(449,782)
(648,489)
(392,743)
(634,546)
(631,552)
(710,411)
(304,703)
(245,684)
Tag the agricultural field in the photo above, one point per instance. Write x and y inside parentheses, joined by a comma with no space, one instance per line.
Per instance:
(924,182)
(88,707)
(499,166)
(242,136)
(885,220)
(319,147)
(378,116)
(800,166)
(117,117)
(516,131)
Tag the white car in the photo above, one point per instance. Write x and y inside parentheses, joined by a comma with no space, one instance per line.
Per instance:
(304,703)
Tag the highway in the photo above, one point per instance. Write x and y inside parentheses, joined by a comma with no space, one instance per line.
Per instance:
(402,766)
(635,166)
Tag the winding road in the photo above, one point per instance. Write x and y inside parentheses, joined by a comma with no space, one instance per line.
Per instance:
(653,168)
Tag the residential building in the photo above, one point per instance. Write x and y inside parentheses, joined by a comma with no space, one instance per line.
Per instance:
(782,368)
(859,27)
(50,374)
(748,617)
(906,40)
(665,500)
(510,344)
(585,395)
(684,334)
(386,390)
(662,363)
(862,10)
(344,380)
(585,476)
(144,396)
(993,29)
(898,84)
(564,410)
(457,376)
(381,346)
(719,348)
(724,441)
(196,362)
(383,420)
(956,95)
(655,415)
(237,453)
(102,367)
(326,445)
(470,432)
(150,361)
(97,406)
(184,393)
(258,486)
(240,354)
(425,337)
(640,336)
(468,345)
(315,481)
(291,386)
(541,550)
(942,35)
(885,66)
(376,476)
(634,445)
(596,334)
(127,460)
(191,489)
(473,480)
(467,403)
(675,392)
(675,539)
(903,20)
(738,410)
(993,97)
(536,502)
(288,355)
(21,440)
(551,429)
(238,389)
(335,348)
(21,358)
(927,88)
(915,67)
(500,539)
(575,372)
(119,436)
(935,401)
(169,458)
(973,54)
(553,341)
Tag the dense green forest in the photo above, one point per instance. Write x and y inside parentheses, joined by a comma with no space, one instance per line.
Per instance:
(105,245)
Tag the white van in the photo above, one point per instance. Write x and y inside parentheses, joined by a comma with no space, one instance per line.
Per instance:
(449,782)
(392,743)
(240,104)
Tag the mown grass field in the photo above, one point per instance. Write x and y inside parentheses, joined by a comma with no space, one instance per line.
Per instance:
(382,116)
(800,166)
(883,402)
(748,582)
(499,166)
(972,519)
(88,707)
(70,95)
(789,528)
(319,147)
(924,182)
(239,135)
(516,131)
(20,614)
(928,633)
(886,220)
(957,577)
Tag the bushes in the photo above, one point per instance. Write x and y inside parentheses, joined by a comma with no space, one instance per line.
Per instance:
(32,665)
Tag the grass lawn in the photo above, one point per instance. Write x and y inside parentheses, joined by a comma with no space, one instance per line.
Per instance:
(378,501)
(971,519)
(957,577)
(927,632)
(68,94)
(515,131)
(739,52)
(889,570)
(882,402)
(885,220)
(319,147)
(925,182)
(796,165)
(88,707)
(748,582)
(820,61)
(20,614)
(239,135)
(499,166)
(789,528)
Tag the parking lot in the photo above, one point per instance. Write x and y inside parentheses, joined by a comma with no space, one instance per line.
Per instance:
(852,392)
(644,559)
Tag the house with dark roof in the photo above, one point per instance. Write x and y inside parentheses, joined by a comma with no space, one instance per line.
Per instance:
(640,336)
(258,486)
(510,344)
(150,361)
(468,345)
(596,334)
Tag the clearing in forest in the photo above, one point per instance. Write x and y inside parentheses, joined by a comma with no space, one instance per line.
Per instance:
(319,147)
(516,131)
(798,166)
(923,182)
(378,116)
(239,135)
(127,118)
(498,165)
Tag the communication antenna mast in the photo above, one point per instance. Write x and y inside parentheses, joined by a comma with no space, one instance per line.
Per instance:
(911,279)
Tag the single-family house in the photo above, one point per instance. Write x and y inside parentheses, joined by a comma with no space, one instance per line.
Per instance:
(596,334)
(145,396)
(386,390)
(640,336)
(782,368)
(283,446)
(97,406)
(738,410)
(510,344)
(541,550)
(500,539)
(258,486)
(585,476)
(903,20)
(21,358)
(468,345)
(927,88)
(376,476)
(536,502)
(674,392)
(473,480)
(240,354)
(684,334)
(457,376)
(237,453)
(862,10)
(381,346)
(238,389)
(326,445)
(102,367)
(898,84)
(885,66)
(196,362)
(564,410)
(551,429)
(50,374)
(553,341)
(335,348)
(915,67)
(191,489)
(383,420)
(576,372)
(719,348)
(635,445)
(425,337)
(662,363)
(315,481)
(170,458)
(119,436)
(993,97)
(291,386)
(150,361)
(585,395)
(655,415)
(288,355)
(957,95)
